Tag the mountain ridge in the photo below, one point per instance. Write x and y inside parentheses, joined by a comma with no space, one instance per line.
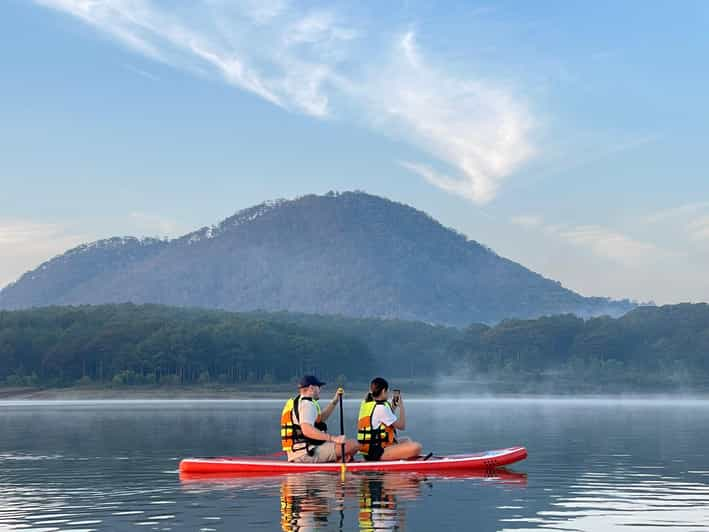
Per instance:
(347,253)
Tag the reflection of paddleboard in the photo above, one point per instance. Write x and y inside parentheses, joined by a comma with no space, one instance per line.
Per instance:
(459,462)
(249,479)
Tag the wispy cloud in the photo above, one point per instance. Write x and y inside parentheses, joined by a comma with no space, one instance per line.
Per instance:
(142,73)
(595,155)
(475,133)
(681,211)
(689,221)
(242,42)
(613,245)
(25,243)
(477,129)
(603,242)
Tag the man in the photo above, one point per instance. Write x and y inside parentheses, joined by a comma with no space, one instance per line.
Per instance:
(304,434)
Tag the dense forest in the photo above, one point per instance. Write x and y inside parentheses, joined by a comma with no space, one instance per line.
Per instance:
(665,347)
(402,348)
(152,344)
(649,348)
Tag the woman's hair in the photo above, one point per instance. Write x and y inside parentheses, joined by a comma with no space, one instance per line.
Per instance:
(375,388)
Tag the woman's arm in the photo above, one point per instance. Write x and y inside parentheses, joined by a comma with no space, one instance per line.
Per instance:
(400,423)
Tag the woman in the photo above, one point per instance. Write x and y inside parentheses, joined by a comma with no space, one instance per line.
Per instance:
(378,423)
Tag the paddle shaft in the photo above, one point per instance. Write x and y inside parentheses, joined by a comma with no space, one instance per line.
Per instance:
(342,428)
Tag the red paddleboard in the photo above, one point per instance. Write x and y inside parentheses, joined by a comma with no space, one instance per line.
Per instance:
(459,462)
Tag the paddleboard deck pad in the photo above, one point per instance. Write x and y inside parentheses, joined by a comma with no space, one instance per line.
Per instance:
(456,462)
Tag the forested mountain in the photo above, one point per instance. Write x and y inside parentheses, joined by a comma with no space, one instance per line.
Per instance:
(649,349)
(352,254)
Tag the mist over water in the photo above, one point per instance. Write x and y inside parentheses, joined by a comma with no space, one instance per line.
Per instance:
(601,464)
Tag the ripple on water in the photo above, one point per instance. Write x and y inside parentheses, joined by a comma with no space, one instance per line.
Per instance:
(114,469)
(639,500)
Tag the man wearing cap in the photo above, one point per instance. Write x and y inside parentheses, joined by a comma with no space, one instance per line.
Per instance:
(304,434)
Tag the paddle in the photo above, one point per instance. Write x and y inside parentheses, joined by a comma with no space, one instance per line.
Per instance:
(342,433)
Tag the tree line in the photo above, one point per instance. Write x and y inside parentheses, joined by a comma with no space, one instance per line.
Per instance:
(151,344)
(649,346)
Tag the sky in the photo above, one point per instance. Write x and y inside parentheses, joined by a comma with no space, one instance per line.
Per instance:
(571,137)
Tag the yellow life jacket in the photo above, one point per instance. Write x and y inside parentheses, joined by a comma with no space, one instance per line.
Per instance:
(367,435)
(292,437)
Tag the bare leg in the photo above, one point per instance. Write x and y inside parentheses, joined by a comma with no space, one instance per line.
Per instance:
(402,451)
(351,449)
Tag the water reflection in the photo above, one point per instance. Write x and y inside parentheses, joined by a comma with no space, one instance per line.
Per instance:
(379,497)
(592,467)
(318,501)
(306,501)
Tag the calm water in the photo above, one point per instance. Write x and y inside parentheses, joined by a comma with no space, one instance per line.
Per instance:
(593,466)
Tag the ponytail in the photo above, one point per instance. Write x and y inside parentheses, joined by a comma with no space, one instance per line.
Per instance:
(375,388)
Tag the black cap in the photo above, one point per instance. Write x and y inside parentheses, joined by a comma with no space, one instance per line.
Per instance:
(309,380)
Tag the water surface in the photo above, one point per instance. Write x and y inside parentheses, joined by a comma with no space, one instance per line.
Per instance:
(594,465)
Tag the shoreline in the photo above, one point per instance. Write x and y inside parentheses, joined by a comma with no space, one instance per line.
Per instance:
(352,392)
(140,392)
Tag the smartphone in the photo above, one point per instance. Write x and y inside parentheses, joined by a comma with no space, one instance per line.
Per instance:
(396,394)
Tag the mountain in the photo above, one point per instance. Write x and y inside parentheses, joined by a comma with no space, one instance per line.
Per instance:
(351,253)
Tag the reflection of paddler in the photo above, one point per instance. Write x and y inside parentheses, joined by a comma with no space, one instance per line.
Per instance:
(305,501)
(378,509)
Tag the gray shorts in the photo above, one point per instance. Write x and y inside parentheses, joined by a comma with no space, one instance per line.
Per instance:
(321,453)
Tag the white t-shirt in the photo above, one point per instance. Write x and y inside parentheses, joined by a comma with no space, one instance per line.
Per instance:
(383,414)
(307,412)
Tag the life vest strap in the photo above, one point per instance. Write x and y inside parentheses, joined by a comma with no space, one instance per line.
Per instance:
(292,437)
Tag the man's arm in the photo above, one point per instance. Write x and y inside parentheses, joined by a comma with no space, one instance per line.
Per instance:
(314,434)
(327,411)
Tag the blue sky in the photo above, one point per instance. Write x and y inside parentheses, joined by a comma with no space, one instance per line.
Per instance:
(571,137)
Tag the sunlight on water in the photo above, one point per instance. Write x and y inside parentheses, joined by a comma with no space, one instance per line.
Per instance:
(609,502)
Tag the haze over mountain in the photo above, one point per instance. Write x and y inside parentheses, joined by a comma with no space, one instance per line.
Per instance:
(352,253)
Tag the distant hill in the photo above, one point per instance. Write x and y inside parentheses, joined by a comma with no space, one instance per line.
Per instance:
(352,254)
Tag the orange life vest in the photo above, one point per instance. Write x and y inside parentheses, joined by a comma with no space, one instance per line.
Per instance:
(367,435)
(292,437)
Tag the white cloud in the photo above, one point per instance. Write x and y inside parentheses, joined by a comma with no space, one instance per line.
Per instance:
(680,211)
(476,132)
(690,220)
(603,242)
(241,42)
(614,245)
(318,27)
(25,244)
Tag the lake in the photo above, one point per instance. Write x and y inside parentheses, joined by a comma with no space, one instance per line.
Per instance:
(594,465)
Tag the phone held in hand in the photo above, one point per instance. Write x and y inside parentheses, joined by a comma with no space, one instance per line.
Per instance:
(396,397)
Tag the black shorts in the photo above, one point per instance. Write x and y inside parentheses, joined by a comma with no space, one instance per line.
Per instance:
(375,453)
